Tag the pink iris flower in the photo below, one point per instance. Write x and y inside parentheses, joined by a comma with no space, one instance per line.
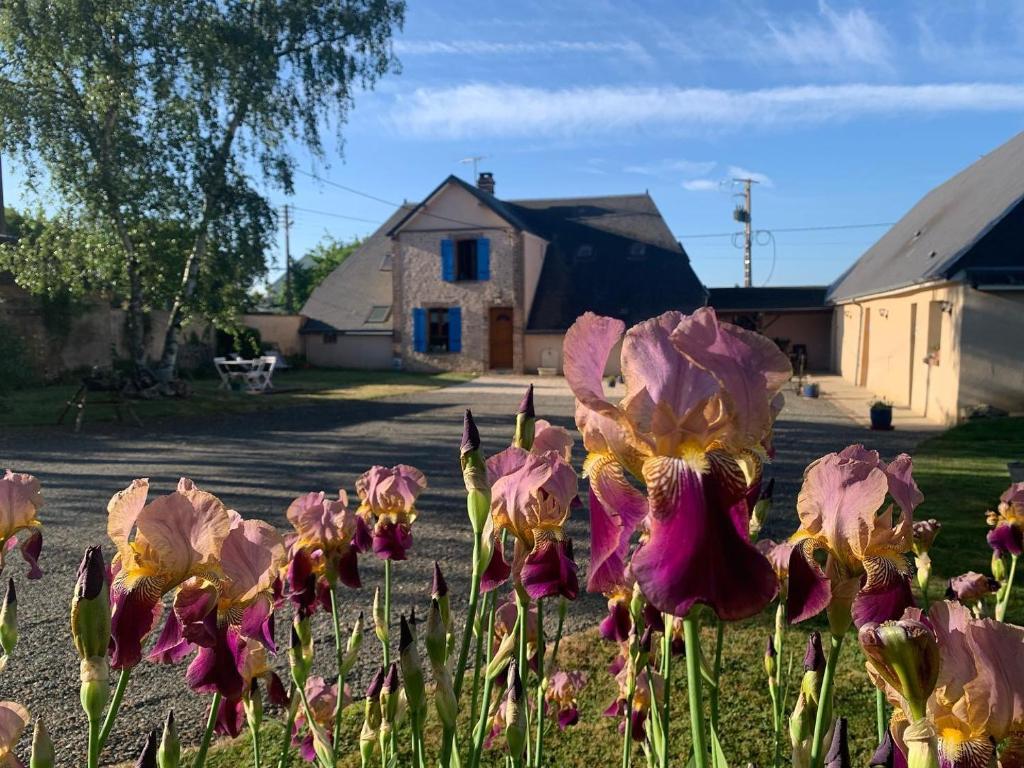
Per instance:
(844,514)
(14,719)
(331,534)
(978,701)
(176,537)
(692,428)
(1007,534)
(563,688)
(531,494)
(227,618)
(20,500)
(322,698)
(387,502)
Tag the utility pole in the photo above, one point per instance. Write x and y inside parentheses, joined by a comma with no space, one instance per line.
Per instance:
(743,215)
(289,303)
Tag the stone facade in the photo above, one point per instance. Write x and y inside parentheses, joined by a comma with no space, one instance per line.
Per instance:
(418,284)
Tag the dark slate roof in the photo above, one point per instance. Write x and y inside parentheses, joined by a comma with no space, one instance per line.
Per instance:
(310,325)
(774,299)
(498,206)
(975,219)
(587,268)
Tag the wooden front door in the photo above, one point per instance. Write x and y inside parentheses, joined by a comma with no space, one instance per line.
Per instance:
(501,337)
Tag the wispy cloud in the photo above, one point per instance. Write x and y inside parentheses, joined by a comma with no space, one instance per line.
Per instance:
(487,110)
(516,48)
(736,172)
(672,168)
(831,38)
(702,185)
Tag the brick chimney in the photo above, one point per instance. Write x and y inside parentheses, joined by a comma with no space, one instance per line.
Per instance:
(485,182)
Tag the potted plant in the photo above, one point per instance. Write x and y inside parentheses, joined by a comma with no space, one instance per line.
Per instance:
(881,414)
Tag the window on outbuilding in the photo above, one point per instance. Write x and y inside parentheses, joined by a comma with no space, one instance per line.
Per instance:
(330,337)
(437,329)
(379,313)
(465,259)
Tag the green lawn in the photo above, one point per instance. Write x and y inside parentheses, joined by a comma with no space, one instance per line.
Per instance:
(42,405)
(961,473)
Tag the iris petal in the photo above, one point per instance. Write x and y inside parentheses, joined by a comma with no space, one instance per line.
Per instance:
(616,508)
(217,668)
(549,570)
(134,614)
(696,552)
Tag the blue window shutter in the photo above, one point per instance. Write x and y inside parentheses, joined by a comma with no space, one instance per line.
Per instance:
(419,329)
(483,259)
(448,261)
(455,329)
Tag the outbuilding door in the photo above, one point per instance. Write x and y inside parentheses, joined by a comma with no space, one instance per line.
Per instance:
(501,337)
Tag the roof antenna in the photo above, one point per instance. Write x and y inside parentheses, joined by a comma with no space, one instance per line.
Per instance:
(475,160)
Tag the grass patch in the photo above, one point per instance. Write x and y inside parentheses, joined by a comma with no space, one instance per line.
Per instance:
(962,473)
(42,405)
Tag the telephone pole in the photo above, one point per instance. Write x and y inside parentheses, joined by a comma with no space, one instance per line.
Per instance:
(289,303)
(743,215)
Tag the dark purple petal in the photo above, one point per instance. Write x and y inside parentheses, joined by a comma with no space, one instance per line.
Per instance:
(654,618)
(203,633)
(567,717)
(888,754)
(616,625)
(171,647)
(391,541)
(31,549)
(809,591)
(362,540)
(276,692)
(217,668)
(306,749)
(616,709)
(616,508)
(617,665)
(1006,538)
(258,623)
(637,718)
(323,594)
(887,602)
(348,569)
(230,718)
(134,614)
(696,553)
(497,571)
(549,570)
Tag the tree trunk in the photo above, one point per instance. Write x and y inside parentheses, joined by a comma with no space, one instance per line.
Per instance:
(136,317)
(190,276)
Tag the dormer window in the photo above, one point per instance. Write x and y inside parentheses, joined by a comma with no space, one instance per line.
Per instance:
(637,251)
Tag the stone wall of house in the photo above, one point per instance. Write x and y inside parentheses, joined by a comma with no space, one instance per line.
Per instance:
(418,283)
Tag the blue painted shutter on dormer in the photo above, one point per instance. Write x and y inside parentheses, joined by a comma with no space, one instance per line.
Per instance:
(483,259)
(419,329)
(448,261)
(455,329)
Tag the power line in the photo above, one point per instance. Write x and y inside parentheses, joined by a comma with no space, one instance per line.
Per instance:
(336,215)
(792,229)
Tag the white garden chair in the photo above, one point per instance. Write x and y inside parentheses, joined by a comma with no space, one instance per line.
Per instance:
(259,377)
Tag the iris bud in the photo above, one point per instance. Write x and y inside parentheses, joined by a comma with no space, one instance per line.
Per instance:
(905,654)
(999,567)
(502,656)
(444,698)
(885,754)
(412,670)
(474,474)
(352,648)
(169,753)
(437,637)
(838,755)
(253,705)
(439,591)
(380,622)
(515,713)
(300,653)
(94,674)
(389,693)
(372,713)
(9,620)
(526,422)
(770,662)
(90,607)
(762,508)
(42,755)
(148,757)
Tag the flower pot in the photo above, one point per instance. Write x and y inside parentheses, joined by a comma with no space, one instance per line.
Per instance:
(881,418)
(809,390)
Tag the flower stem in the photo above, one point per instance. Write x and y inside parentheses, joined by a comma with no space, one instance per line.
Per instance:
(558,631)
(467,631)
(627,733)
(256,757)
(879,714)
(523,610)
(286,739)
(824,716)
(211,721)
(666,675)
(481,726)
(115,705)
(94,742)
(488,608)
(387,611)
(540,684)
(340,648)
(719,640)
(1003,604)
(691,636)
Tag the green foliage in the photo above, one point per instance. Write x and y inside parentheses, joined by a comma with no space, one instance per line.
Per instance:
(16,370)
(314,267)
(158,122)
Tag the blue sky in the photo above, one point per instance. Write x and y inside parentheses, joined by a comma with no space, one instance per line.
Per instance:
(847,112)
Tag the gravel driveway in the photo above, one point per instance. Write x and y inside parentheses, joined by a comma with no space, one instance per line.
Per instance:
(257,464)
